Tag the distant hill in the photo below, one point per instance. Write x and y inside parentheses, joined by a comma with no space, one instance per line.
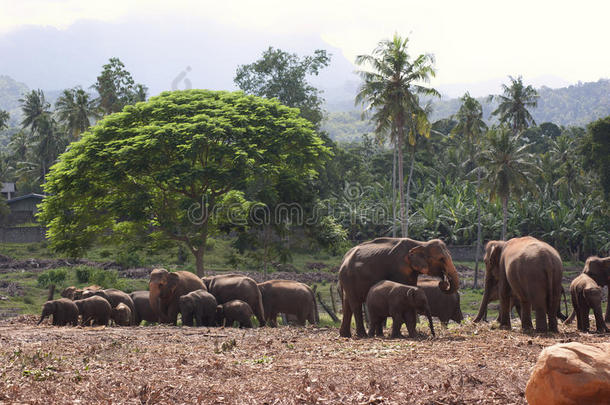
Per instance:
(10,93)
(575,105)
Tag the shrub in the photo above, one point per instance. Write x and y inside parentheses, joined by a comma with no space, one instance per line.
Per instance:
(55,276)
(83,273)
(129,259)
(105,253)
(107,279)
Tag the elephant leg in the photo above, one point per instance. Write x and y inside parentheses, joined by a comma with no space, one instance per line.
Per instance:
(608,306)
(356,306)
(541,318)
(346,320)
(397,322)
(411,321)
(599,319)
(381,325)
(273,319)
(199,319)
(172,314)
(504,313)
(526,316)
(585,318)
(373,323)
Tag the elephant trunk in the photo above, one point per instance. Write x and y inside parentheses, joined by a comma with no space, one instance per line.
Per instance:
(429,316)
(453,283)
(484,301)
(41,318)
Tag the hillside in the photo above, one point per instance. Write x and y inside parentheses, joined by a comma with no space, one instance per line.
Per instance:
(575,105)
(10,93)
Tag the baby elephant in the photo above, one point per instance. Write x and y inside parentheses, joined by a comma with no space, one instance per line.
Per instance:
(199,304)
(64,312)
(401,302)
(444,306)
(121,315)
(94,309)
(587,294)
(232,311)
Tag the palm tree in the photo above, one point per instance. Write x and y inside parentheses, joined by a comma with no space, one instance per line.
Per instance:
(513,104)
(75,108)
(471,127)
(35,108)
(509,167)
(389,91)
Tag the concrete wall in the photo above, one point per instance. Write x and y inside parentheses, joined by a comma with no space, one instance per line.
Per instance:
(22,234)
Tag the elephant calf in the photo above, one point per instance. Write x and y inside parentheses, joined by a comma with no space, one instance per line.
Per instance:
(288,297)
(199,304)
(401,302)
(121,315)
(94,310)
(444,306)
(587,294)
(114,297)
(64,312)
(234,311)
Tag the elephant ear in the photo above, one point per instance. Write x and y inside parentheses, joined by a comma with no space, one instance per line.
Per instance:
(172,281)
(495,252)
(417,259)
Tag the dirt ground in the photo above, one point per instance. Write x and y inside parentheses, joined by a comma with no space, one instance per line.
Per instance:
(465,364)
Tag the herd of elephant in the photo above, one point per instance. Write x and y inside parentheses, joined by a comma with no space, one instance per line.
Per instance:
(380,275)
(524,272)
(223,300)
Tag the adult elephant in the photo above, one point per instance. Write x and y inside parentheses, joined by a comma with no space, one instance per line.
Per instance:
(529,270)
(166,289)
(288,297)
(144,312)
(227,287)
(396,259)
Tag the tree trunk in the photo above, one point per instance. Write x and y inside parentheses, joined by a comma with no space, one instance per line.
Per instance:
(476,255)
(199,253)
(406,235)
(401,184)
(394,193)
(504,216)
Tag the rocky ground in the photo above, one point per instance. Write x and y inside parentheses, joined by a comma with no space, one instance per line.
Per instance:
(465,364)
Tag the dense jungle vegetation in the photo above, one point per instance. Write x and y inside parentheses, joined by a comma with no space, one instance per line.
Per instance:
(505,166)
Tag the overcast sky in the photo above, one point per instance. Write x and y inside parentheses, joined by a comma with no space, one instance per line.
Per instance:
(472,41)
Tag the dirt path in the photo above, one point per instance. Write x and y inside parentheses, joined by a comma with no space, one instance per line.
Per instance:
(463,365)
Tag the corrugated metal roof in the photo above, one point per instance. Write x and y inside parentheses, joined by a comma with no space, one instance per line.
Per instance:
(23,197)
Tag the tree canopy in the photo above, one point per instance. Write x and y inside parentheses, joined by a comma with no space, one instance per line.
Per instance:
(282,75)
(170,168)
(116,87)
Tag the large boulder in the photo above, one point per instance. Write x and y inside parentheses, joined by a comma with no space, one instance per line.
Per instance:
(571,373)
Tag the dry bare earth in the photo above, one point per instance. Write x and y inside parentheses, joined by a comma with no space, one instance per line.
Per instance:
(463,365)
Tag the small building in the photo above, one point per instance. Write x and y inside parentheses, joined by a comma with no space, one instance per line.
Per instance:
(24,208)
(8,189)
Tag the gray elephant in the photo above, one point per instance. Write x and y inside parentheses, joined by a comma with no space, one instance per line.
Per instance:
(227,287)
(399,301)
(530,271)
(396,259)
(64,311)
(199,304)
(586,294)
(445,307)
(114,297)
(234,311)
(598,268)
(144,312)
(288,297)
(166,289)
(94,310)
(121,315)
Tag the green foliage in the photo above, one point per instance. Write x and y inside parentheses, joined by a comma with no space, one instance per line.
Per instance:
(282,75)
(596,149)
(4,117)
(55,276)
(174,165)
(116,88)
(514,103)
(83,273)
(75,109)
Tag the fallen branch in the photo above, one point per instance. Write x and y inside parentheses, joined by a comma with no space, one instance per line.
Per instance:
(327,309)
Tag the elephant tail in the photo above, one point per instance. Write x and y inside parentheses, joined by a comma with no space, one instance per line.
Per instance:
(565,304)
(260,312)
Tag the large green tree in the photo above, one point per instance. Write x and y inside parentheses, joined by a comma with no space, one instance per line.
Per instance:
(514,103)
(596,150)
(116,88)
(163,168)
(282,75)
(389,91)
(470,128)
(76,109)
(510,167)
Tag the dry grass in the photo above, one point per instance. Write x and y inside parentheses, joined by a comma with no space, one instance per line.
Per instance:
(465,364)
